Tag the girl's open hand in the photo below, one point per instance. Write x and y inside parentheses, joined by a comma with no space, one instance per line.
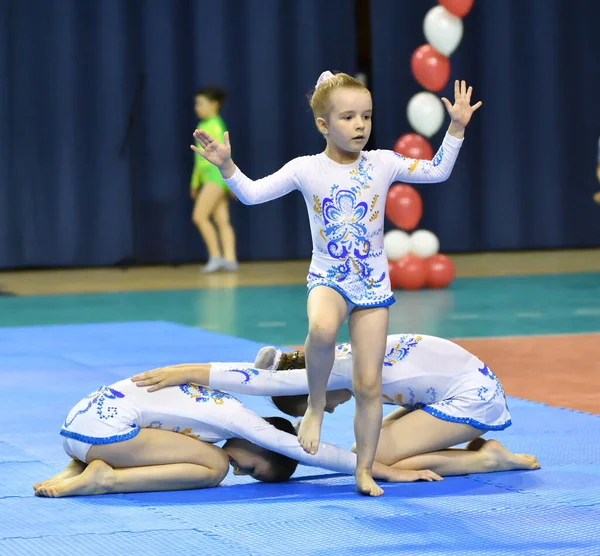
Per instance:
(461,111)
(213,151)
(163,377)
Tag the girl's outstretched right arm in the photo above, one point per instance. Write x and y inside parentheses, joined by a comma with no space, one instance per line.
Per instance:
(246,190)
(242,422)
(239,378)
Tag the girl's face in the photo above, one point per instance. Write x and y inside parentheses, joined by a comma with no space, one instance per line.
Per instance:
(205,108)
(247,458)
(348,124)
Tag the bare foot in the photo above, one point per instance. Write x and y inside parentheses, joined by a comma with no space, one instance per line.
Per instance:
(93,480)
(74,468)
(366,485)
(309,433)
(505,460)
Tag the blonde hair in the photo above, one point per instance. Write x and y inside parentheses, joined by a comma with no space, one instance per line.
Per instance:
(319,99)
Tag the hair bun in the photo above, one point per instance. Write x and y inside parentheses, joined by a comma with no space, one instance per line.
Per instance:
(324,77)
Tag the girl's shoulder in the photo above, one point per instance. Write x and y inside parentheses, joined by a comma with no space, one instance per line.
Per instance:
(309,158)
(382,154)
(306,161)
(385,158)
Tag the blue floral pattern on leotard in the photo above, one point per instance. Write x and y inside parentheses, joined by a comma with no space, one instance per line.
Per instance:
(437,159)
(99,400)
(347,235)
(360,175)
(425,165)
(342,216)
(351,268)
(432,392)
(349,221)
(248,374)
(401,349)
(203,394)
(342,350)
(448,402)
(495,388)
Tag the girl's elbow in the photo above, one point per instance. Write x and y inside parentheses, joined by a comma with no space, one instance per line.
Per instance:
(442,178)
(245,200)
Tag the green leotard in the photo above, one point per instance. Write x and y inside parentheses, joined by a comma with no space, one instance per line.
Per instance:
(204,171)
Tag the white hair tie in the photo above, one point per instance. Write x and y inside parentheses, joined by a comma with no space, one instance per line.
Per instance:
(324,77)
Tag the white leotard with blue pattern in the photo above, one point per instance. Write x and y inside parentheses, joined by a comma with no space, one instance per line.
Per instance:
(346,208)
(419,372)
(118,412)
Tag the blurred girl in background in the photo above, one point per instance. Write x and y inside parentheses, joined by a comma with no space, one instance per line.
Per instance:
(209,191)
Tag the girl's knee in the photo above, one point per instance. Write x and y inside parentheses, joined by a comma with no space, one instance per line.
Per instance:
(222,222)
(218,473)
(200,218)
(367,389)
(218,466)
(322,332)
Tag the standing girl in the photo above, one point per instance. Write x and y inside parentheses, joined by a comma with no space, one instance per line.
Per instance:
(209,191)
(345,190)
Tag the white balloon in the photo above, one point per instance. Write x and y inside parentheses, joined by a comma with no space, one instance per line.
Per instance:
(424,244)
(396,244)
(443,30)
(425,113)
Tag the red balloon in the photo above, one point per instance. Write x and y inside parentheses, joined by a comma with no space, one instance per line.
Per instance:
(393,272)
(404,206)
(459,8)
(430,68)
(413,145)
(439,270)
(408,273)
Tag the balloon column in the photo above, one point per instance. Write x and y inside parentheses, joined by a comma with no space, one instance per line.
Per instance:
(414,259)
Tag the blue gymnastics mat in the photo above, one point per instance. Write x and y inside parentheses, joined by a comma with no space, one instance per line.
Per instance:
(44,371)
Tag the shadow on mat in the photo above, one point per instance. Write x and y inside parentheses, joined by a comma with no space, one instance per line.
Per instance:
(271,493)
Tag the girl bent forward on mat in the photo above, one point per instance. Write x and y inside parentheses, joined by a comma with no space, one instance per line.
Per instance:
(446,396)
(125,439)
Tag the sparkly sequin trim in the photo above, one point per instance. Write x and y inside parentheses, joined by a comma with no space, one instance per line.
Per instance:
(467,420)
(382,303)
(106,440)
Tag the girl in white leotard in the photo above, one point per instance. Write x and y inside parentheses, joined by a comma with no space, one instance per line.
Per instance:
(164,441)
(345,190)
(446,396)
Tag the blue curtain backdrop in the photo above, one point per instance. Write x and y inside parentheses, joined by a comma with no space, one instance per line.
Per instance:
(526,174)
(70,72)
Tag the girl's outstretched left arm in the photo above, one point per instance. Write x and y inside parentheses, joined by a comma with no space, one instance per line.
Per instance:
(249,425)
(239,378)
(438,169)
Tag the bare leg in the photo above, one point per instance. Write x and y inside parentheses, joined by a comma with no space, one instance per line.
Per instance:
(327,311)
(155,460)
(368,336)
(226,232)
(490,457)
(420,441)
(209,196)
